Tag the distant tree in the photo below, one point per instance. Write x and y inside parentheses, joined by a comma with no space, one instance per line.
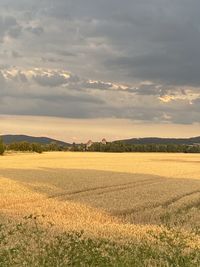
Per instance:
(25,146)
(37,148)
(74,147)
(2,147)
(53,146)
(82,147)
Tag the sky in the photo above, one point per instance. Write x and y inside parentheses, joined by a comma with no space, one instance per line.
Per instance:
(78,70)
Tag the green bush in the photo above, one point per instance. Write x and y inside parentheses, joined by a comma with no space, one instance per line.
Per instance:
(2,147)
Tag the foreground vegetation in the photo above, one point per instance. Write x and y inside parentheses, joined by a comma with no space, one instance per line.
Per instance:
(28,243)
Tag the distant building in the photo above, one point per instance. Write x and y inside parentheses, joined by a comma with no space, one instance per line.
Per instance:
(196,144)
(104,142)
(89,144)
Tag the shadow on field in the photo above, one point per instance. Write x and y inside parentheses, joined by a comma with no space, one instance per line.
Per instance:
(177,160)
(139,198)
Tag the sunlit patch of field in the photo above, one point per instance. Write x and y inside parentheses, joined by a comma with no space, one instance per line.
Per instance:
(107,195)
(161,164)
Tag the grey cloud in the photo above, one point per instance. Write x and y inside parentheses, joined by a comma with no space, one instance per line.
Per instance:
(96,85)
(9,26)
(51,105)
(65,53)
(52,81)
(15,31)
(16,54)
(46,100)
(157,90)
(74,79)
(125,42)
(51,60)
(22,77)
(2,81)
(67,98)
(35,30)
(145,90)
(164,68)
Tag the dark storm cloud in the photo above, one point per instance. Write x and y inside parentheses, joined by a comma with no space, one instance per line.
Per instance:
(150,47)
(159,40)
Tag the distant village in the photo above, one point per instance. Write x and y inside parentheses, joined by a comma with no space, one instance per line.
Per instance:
(87,146)
(90,143)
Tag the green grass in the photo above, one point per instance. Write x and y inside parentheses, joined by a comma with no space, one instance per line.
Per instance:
(30,244)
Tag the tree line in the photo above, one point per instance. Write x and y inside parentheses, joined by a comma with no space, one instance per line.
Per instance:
(35,147)
(99,147)
(122,147)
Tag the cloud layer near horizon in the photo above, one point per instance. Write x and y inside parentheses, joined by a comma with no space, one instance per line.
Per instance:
(131,59)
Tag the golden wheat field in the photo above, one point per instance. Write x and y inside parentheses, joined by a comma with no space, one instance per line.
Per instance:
(106,194)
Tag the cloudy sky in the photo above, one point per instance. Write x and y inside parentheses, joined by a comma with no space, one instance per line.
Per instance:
(79,69)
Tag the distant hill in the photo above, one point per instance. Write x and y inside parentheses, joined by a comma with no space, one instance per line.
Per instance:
(156,140)
(8,139)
